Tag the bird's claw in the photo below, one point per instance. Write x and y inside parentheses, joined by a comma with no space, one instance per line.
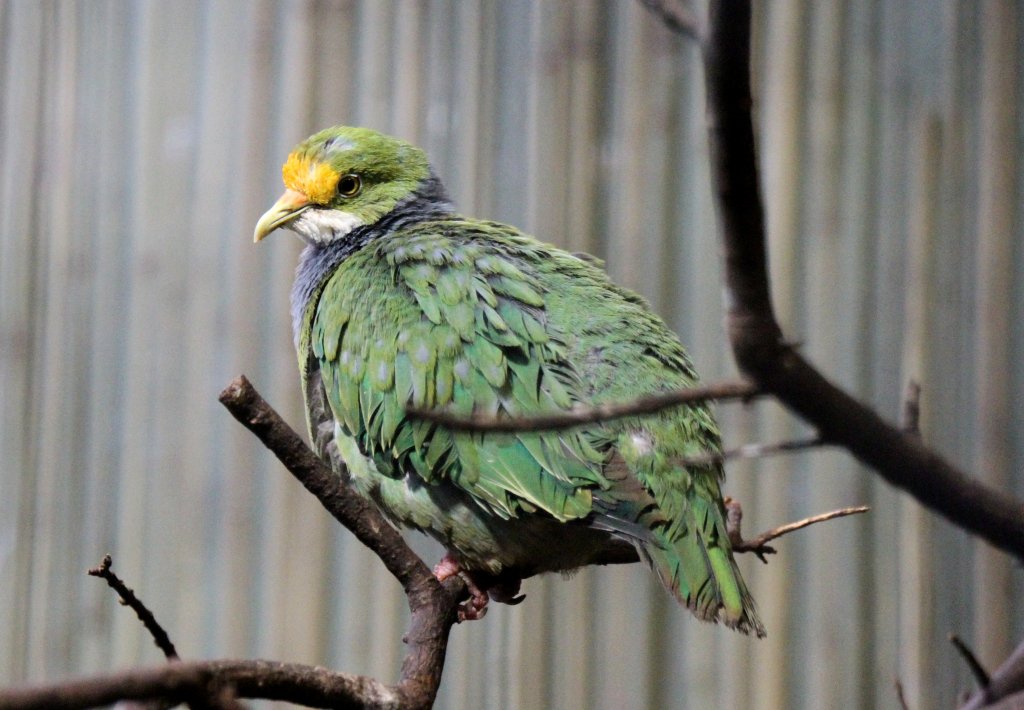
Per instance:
(476,606)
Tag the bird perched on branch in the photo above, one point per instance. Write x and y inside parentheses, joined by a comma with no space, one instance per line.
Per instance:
(399,302)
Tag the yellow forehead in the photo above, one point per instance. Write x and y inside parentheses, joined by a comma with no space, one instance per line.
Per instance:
(315,180)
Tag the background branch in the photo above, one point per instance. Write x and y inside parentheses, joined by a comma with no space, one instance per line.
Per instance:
(677,15)
(760,351)
(1006,684)
(981,676)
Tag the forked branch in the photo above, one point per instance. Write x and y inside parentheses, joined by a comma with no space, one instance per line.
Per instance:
(759,545)
(760,350)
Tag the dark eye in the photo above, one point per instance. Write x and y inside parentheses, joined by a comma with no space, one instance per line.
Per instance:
(349,185)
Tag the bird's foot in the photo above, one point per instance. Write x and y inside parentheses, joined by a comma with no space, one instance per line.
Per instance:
(476,606)
(733,523)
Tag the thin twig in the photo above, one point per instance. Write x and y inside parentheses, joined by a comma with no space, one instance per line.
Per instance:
(727,390)
(128,599)
(676,17)
(759,544)
(981,676)
(900,697)
(751,451)
(910,421)
(1006,685)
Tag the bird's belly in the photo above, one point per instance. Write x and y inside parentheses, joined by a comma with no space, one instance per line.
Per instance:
(526,545)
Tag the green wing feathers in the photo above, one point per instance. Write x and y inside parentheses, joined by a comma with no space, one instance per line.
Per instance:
(697,566)
(464,330)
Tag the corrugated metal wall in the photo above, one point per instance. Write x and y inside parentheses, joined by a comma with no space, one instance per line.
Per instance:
(140,142)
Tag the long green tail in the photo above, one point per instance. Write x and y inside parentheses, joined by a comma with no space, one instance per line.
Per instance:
(697,566)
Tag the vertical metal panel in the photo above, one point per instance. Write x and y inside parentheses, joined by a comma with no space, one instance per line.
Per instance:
(997,211)
(141,140)
(776,671)
(917,530)
(21,310)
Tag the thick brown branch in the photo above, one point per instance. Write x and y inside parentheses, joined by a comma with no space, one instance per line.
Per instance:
(433,605)
(757,340)
(128,598)
(759,544)
(187,681)
(586,415)
(347,506)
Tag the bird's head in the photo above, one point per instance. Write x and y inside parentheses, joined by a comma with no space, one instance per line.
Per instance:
(343,178)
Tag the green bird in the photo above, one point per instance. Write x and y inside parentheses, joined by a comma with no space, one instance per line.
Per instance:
(400,302)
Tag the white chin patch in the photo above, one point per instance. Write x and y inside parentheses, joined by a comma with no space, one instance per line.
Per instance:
(323,226)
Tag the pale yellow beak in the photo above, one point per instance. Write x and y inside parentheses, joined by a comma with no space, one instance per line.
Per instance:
(291,204)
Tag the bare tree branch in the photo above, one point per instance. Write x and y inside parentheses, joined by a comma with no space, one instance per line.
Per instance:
(128,598)
(676,15)
(433,606)
(759,544)
(348,507)
(586,415)
(757,342)
(981,676)
(751,451)
(901,698)
(1005,688)
(187,681)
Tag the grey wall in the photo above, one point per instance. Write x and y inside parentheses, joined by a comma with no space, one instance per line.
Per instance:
(140,141)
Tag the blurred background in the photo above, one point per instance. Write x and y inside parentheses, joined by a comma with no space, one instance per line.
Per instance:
(139,143)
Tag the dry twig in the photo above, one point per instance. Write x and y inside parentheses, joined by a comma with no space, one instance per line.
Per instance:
(585,415)
(900,696)
(1005,688)
(759,544)
(751,451)
(676,16)
(981,676)
(127,598)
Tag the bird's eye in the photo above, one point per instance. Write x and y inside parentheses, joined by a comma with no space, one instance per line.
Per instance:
(349,185)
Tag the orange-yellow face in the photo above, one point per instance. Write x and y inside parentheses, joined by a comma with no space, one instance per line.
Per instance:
(317,181)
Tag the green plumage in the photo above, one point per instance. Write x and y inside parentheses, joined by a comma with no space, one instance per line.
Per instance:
(474,317)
